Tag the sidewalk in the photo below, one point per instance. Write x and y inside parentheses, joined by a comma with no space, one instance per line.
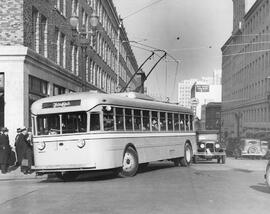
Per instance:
(18,175)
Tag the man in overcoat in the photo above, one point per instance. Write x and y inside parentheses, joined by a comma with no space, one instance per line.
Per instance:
(5,150)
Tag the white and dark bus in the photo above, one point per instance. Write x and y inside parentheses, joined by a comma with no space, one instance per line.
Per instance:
(94,131)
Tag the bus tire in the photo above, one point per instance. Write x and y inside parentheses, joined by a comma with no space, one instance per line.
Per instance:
(186,160)
(130,163)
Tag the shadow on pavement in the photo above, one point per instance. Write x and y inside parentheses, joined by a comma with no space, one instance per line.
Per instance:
(261,188)
(108,174)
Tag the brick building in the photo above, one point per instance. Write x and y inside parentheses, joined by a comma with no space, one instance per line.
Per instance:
(246,71)
(40,55)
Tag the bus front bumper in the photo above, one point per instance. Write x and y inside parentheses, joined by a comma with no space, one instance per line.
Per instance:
(58,168)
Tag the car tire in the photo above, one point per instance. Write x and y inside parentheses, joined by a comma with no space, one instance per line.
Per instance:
(130,163)
(195,159)
(187,159)
(267,175)
(223,159)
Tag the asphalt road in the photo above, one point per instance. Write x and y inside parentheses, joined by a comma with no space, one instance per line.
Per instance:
(207,187)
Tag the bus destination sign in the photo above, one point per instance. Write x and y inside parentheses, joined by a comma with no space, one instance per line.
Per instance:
(62,104)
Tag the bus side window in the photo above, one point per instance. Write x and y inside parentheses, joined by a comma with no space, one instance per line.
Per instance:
(119,119)
(170,122)
(176,122)
(182,122)
(108,120)
(191,122)
(128,119)
(146,121)
(137,120)
(94,122)
(187,122)
(162,121)
(154,121)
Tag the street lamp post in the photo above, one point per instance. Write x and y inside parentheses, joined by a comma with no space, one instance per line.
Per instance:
(83,40)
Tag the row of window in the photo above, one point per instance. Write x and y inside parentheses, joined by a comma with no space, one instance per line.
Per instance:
(41,87)
(126,119)
(115,119)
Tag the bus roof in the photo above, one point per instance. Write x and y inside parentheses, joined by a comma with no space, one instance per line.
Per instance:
(85,101)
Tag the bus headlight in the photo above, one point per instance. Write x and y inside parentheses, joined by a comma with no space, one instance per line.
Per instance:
(41,146)
(81,143)
(217,146)
(202,145)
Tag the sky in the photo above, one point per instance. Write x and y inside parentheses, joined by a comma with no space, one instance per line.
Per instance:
(192,31)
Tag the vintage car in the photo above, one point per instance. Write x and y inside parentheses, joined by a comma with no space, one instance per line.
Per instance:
(250,148)
(209,147)
(267,174)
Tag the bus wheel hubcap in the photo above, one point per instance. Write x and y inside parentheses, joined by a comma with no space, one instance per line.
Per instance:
(188,155)
(128,162)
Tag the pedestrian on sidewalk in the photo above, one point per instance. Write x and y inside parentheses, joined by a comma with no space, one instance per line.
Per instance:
(26,151)
(5,150)
(19,146)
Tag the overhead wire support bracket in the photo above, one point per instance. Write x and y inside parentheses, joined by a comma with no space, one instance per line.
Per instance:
(164,55)
(133,76)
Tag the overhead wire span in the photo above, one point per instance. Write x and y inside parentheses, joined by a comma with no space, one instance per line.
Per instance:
(147,6)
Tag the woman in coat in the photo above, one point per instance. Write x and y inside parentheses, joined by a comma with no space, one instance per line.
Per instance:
(4,150)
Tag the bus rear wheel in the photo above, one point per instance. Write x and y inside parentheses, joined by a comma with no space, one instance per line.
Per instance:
(130,163)
(186,160)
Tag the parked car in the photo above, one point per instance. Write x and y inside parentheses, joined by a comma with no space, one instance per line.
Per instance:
(251,148)
(267,174)
(209,147)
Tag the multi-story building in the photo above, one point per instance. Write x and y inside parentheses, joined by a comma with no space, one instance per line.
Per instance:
(246,71)
(41,55)
(184,92)
(201,94)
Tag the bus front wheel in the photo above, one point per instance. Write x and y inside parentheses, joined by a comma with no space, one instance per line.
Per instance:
(186,160)
(130,163)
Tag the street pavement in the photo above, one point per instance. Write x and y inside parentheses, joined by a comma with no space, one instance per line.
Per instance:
(235,187)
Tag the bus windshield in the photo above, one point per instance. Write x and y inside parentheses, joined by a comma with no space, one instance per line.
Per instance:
(73,122)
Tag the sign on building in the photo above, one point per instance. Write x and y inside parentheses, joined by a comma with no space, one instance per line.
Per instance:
(202,88)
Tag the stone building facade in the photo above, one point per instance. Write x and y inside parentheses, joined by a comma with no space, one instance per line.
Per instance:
(41,55)
(246,72)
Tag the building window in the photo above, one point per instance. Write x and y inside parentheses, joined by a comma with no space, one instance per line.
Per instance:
(74,60)
(61,6)
(35,29)
(75,7)
(58,90)
(38,86)
(43,35)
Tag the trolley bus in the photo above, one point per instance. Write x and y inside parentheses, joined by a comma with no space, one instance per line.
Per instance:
(94,131)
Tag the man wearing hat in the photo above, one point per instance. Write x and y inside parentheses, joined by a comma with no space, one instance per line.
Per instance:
(18,147)
(4,150)
(20,144)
